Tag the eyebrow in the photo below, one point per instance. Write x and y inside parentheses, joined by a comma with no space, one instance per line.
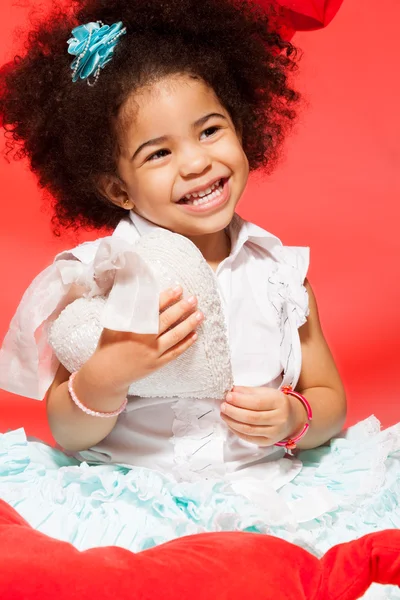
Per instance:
(164,138)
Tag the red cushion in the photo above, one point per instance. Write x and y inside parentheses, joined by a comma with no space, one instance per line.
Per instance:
(306,15)
(238,566)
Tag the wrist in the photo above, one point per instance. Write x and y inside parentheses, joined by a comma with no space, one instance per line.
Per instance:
(103,374)
(110,414)
(290,442)
(97,388)
(299,416)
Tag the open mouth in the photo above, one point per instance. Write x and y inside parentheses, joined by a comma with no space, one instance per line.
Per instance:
(208,195)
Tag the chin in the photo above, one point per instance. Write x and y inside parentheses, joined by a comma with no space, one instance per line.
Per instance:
(208,226)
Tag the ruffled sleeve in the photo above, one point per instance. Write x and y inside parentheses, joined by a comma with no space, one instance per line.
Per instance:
(287,281)
(289,298)
(27,361)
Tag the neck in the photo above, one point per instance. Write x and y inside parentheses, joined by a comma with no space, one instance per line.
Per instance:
(215,247)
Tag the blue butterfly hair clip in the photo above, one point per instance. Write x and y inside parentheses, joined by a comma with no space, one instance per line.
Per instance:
(93,45)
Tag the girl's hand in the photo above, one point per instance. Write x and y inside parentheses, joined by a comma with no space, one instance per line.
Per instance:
(262,415)
(131,356)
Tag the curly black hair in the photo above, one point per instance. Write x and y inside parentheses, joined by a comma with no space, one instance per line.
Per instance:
(67,130)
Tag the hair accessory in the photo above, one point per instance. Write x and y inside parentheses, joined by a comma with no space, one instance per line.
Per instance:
(93,45)
(291,443)
(89,411)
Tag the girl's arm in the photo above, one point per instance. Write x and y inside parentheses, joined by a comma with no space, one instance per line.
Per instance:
(319,382)
(120,358)
(73,429)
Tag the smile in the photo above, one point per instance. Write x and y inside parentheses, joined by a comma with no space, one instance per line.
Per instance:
(212,197)
(205,195)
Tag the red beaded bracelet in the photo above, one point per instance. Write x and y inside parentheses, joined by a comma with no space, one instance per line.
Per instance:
(290,444)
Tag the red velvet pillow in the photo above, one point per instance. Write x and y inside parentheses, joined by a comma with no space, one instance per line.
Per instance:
(301,15)
(220,566)
(306,15)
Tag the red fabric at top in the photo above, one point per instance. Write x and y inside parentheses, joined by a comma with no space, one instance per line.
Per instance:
(306,15)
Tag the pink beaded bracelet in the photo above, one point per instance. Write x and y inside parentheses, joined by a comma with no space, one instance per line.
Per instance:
(89,411)
(291,443)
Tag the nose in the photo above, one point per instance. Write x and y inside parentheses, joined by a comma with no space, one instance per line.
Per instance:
(194,160)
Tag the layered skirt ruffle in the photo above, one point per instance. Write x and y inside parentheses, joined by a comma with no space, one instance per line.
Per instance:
(136,508)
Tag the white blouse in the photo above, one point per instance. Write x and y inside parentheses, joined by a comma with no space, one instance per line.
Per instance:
(264,303)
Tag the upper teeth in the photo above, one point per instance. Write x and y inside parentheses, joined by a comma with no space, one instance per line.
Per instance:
(204,192)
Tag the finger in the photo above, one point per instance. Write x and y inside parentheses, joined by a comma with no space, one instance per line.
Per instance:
(242,389)
(246,429)
(176,312)
(170,296)
(176,351)
(179,332)
(257,402)
(251,417)
(258,441)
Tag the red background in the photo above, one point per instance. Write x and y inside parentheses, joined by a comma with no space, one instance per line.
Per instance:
(337,190)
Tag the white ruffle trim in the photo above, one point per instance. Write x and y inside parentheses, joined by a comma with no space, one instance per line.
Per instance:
(198,440)
(289,297)
(287,283)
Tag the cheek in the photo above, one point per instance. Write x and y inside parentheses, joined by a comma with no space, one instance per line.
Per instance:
(152,183)
(241,164)
(245,163)
(238,157)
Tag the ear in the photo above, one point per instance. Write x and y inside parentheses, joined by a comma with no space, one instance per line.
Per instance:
(113,189)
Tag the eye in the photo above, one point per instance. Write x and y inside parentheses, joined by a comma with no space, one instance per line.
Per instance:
(158,154)
(211,131)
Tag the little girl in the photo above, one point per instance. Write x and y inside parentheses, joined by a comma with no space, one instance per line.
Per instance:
(182,356)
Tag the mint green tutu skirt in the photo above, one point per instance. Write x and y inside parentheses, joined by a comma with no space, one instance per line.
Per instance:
(136,508)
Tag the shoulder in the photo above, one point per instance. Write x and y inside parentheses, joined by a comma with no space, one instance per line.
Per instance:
(293,259)
(86,252)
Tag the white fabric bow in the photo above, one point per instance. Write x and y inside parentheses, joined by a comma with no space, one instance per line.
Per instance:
(27,362)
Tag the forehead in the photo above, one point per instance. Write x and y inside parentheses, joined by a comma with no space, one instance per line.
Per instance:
(169,104)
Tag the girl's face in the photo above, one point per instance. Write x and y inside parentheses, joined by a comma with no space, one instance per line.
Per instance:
(182,163)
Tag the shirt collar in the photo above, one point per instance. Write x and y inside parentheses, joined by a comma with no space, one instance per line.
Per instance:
(142,225)
(240,232)
(131,227)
